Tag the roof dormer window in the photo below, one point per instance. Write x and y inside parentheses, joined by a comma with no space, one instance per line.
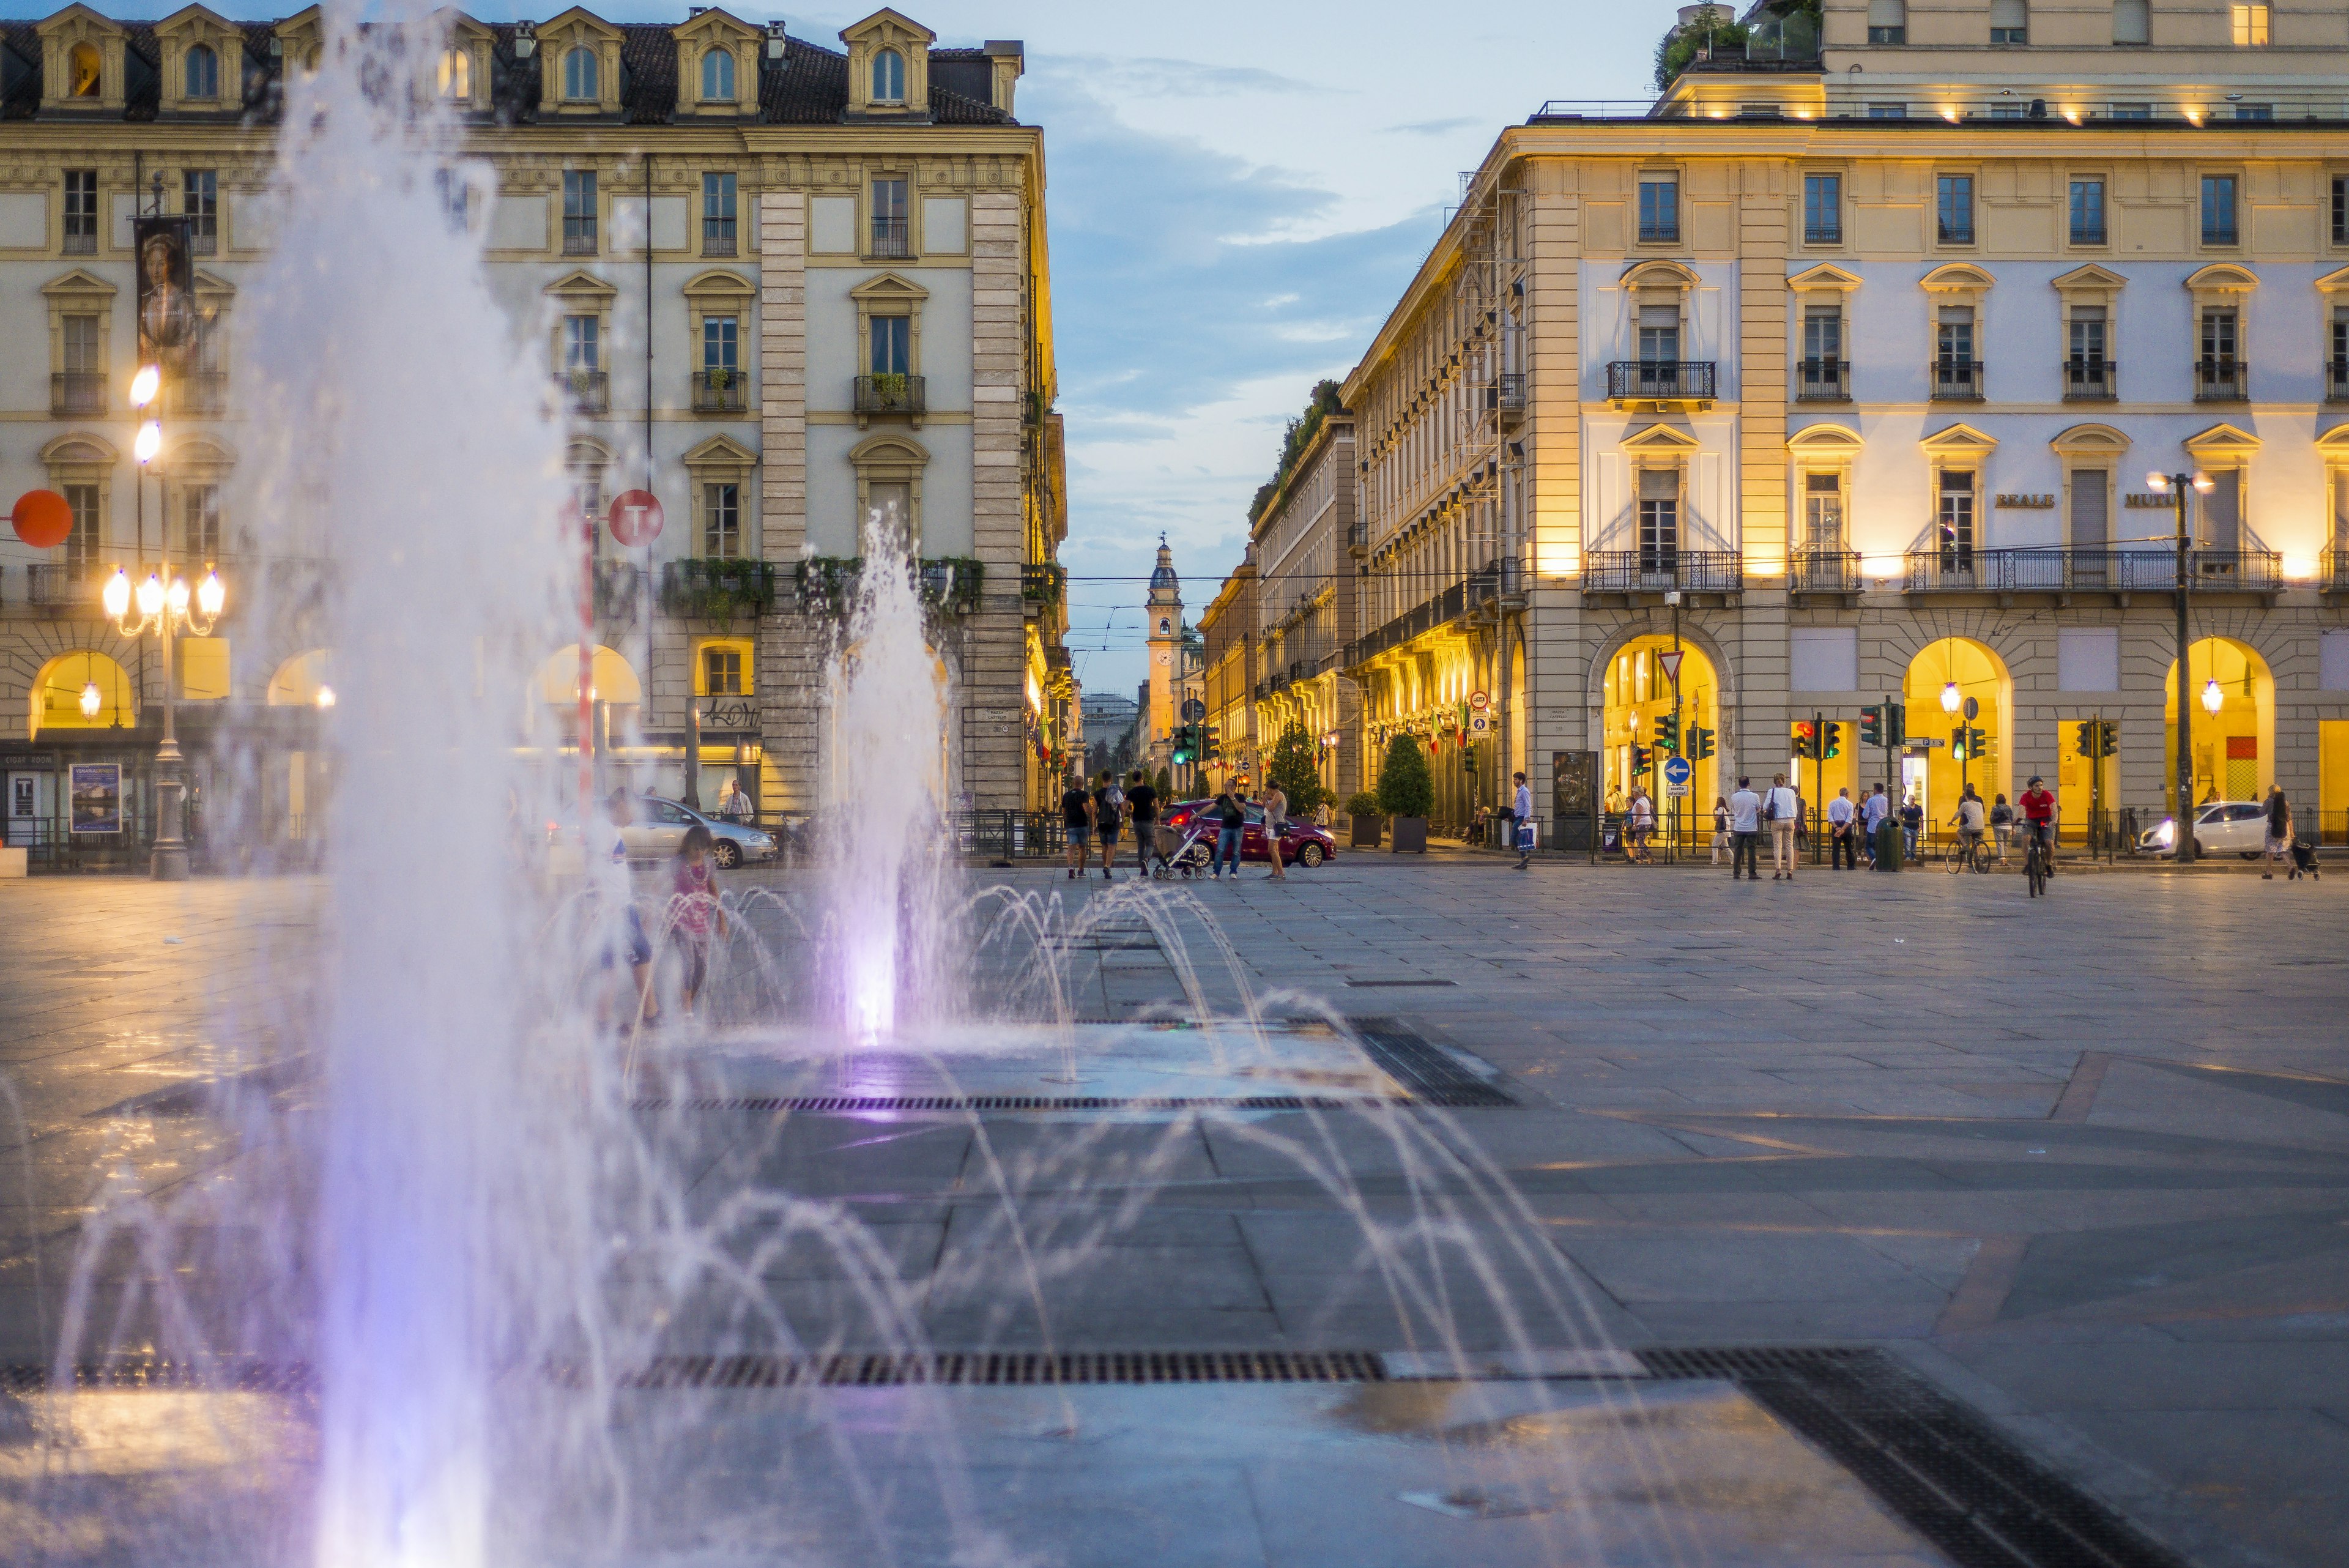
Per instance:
(82,70)
(717,75)
(456,74)
(888,77)
(204,72)
(579,81)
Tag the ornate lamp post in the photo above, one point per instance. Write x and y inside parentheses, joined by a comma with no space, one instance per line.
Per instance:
(2180,486)
(166,605)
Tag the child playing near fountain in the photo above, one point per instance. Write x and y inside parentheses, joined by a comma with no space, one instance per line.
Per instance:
(694,912)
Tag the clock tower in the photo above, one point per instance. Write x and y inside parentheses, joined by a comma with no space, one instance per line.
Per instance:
(1165,617)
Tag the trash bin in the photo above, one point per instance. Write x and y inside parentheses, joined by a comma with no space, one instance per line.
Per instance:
(1888,845)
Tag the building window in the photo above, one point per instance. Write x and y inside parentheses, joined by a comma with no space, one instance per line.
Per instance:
(2132,111)
(888,77)
(719,334)
(2007,108)
(456,74)
(717,75)
(1823,209)
(893,345)
(2132,21)
(200,531)
(82,71)
(1659,519)
(1823,363)
(1954,210)
(2088,372)
(1660,211)
(203,73)
(1888,34)
(1955,519)
(1823,511)
(200,200)
(579,211)
(2010,22)
(454,197)
(2219,210)
(2250,26)
(888,514)
(1956,372)
(2336,378)
(81,211)
(83,546)
(1888,21)
(2255,111)
(721,666)
(1887,111)
(889,235)
(718,215)
(2218,341)
(82,357)
(722,527)
(2340,209)
(581,345)
(579,75)
(2087,212)
(1660,334)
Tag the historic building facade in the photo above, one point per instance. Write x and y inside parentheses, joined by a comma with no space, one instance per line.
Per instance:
(1305,608)
(794,289)
(1840,375)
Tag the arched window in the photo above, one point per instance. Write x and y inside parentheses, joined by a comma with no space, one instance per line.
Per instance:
(82,68)
(456,74)
(2132,22)
(717,76)
(888,77)
(204,72)
(579,75)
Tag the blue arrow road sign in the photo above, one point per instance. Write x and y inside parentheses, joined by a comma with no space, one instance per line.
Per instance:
(1677,771)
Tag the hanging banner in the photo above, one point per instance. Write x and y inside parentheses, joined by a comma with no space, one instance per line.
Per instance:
(167,324)
(96,797)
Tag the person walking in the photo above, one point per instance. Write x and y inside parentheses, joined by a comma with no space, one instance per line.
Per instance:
(1912,825)
(1643,823)
(1232,817)
(1720,829)
(1880,806)
(1842,854)
(1077,822)
(1781,809)
(2279,844)
(1521,807)
(1968,823)
(1745,828)
(2001,826)
(1109,816)
(1142,805)
(1276,826)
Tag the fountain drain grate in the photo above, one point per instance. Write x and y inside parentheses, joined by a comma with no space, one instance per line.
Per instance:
(1432,1074)
(1950,1475)
(851,1105)
(994,1369)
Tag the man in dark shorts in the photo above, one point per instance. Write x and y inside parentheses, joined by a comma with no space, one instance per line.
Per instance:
(1077,822)
(1142,802)
(1109,802)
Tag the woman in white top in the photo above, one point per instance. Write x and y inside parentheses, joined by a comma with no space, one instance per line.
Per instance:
(1276,819)
(1784,808)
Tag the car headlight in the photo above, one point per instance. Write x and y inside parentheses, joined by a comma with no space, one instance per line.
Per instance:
(2166,834)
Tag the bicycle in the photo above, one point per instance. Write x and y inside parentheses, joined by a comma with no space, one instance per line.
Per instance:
(1967,854)
(2035,864)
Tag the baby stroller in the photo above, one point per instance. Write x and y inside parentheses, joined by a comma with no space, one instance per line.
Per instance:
(1196,853)
(2303,860)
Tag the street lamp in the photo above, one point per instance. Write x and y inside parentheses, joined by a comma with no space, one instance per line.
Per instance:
(1950,697)
(2179,486)
(2212,698)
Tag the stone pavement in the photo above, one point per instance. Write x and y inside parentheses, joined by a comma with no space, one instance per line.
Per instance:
(2083,1162)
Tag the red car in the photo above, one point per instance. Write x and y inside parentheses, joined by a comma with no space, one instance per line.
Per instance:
(1301,843)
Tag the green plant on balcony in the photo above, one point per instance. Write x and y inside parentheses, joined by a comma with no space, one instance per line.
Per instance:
(892,389)
(951,580)
(1043,582)
(718,590)
(720,377)
(1712,28)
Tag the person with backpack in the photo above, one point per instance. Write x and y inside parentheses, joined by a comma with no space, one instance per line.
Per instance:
(1142,805)
(2001,824)
(1782,807)
(1077,823)
(1109,812)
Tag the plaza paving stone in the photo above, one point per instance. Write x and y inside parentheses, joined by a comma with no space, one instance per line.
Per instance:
(2083,1162)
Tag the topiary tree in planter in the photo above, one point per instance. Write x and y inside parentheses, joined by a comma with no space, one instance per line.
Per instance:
(1362,815)
(1406,792)
(1296,769)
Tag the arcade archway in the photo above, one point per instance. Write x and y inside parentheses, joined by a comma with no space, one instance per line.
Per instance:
(64,682)
(1639,691)
(2234,747)
(1941,679)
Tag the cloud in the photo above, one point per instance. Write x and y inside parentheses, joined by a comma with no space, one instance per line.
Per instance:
(1435,127)
(1126,76)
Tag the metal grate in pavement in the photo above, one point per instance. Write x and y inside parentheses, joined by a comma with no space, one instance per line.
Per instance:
(851,1105)
(141,1373)
(1954,1478)
(1432,1074)
(1006,1369)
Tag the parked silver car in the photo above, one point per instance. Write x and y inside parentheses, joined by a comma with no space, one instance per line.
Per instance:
(2221,828)
(656,827)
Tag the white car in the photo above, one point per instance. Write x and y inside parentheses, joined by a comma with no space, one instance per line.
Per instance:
(2221,826)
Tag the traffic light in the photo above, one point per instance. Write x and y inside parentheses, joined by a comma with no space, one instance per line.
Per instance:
(1668,733)
(1641,758)
(1871,725)
(1834,738)
(1896,724)
(1977,744)
(1958,743)
(1181,745)
(1700,743)
(2084,737)
(1212,746)
(2108,738)
(1805,737)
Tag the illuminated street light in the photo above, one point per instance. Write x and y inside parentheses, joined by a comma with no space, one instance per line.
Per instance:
(149,442)
(91,699)
(325,697)
(2212,698)
(145,385)
(1949,697)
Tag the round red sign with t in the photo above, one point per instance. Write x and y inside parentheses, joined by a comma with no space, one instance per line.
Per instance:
(636,517)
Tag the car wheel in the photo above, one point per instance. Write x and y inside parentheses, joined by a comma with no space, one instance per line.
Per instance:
(727,853)
(2249,853)
(2201,850)
(1310,856)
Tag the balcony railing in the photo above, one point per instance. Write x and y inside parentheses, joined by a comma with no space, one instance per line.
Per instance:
(578,236)
(586,391)
(1823,572)
(889,237)
(2336,570)
(1662,381)
(1823,380)
(78,392)
(718,390)
(2058,569)
(1508,392)
(953,582)
(717,589)
(2221,380)
(1956,380)
(82,243)
(1043,582)
(828,585)
(2091,380)
(200,392)
(2336,381)
(619,585)
(717,236)
(890,395)
(1662,571)
(63,585)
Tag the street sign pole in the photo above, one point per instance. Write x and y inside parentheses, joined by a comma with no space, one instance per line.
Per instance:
(1671,849)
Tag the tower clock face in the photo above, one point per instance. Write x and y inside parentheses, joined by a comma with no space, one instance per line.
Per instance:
(1166,658)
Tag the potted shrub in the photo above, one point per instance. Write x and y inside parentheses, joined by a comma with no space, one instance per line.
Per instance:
(1362,811)
(1406,793)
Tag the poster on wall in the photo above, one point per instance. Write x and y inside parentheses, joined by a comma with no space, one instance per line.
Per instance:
(168,327)
(97,797)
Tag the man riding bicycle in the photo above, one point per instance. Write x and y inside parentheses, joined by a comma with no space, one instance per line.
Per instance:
(2038,804)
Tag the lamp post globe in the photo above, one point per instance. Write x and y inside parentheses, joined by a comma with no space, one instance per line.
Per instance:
(2212,698)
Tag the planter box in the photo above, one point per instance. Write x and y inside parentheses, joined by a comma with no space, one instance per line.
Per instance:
(1365,834)
(1410,834)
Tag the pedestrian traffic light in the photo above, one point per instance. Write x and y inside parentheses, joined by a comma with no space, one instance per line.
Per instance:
(1641,758)
(1700,743)
(1896,724)
(2108,737)
(1871,725)
(1834,739)
(1668,733)
(1805,736)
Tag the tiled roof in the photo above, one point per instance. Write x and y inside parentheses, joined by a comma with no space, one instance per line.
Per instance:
(808,86)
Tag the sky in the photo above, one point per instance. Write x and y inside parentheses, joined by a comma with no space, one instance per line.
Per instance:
(1236,194)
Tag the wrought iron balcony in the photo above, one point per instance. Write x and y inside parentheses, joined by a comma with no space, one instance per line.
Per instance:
(1823,572)
(585,391)
(2336,381)
(2336,570)
(2221,380)
(952,581)
(891,394)
(1043,582)
(81,243)
(717,236)
(1823,380)
(2058,569)
(1956,380)
(718,389)
(619,587)
(2091,380)
(200,392)
(1662,381)
(578,236)
(1507,392)
(64,584)
(717,589)
(78,392)
(889,237)
(1662,570)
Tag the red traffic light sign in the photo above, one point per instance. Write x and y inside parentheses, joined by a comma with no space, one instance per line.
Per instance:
(636,517)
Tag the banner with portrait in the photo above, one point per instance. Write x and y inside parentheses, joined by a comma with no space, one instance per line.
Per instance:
(169,329)
(95,799)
